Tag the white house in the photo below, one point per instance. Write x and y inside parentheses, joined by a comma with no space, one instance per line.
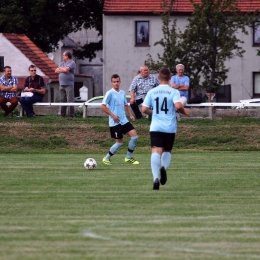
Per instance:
(84,67)
(126,48)
(19,52)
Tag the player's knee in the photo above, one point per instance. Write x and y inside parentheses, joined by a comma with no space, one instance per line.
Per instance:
(134,137)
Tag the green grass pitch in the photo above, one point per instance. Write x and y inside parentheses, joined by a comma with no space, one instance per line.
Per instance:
(52,208)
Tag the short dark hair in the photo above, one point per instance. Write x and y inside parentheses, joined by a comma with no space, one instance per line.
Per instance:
(115,76)
(165,74)
(68,53)
(7,67)
(31,66)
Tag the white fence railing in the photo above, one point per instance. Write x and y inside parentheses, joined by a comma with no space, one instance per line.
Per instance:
(211,105)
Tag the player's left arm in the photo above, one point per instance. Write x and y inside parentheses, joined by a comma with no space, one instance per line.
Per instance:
(129,112)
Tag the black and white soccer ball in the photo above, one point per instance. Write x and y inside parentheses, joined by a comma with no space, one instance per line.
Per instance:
(90,164)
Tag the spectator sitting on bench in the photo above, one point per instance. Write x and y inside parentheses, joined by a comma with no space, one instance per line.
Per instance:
(34,90)
(8,88)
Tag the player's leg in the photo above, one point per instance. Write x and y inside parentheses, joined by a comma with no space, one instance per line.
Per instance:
(116,134)
(129,129)
(168,141)
(166,159)
(156,149)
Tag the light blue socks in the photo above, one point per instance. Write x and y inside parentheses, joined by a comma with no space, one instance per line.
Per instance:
(166,159)
(155,165)
(114,148)
(131,146)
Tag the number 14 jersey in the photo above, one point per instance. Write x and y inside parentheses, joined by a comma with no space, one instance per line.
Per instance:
(161,99)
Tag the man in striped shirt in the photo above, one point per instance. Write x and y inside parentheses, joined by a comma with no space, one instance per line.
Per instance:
(141,84)
(8,87)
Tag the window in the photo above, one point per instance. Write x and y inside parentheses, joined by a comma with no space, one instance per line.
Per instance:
(142,33)
(256,84)
(256,34)
(2,64)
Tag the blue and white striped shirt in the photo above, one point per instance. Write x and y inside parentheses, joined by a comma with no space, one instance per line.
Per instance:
(8,82)
(140,86)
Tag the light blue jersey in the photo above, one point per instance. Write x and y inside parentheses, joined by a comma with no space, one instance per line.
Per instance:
(116,102)
(162,99)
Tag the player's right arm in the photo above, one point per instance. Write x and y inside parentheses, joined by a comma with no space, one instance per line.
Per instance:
(180,108)
(147,110)
(146,107)
(107,111)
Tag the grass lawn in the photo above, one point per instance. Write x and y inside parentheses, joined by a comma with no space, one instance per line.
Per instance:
(52,208)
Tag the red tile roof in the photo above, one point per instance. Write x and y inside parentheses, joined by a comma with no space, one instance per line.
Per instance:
(151,6)
(34,54)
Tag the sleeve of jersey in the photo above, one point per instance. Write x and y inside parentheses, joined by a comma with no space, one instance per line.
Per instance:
(106,98)
(146,102)
(176,97)
(125,101)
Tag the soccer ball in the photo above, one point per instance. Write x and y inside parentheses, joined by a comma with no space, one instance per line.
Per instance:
(90,164)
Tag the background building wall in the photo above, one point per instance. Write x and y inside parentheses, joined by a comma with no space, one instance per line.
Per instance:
(123,57)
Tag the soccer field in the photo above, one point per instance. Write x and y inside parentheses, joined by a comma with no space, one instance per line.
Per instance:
(52,208)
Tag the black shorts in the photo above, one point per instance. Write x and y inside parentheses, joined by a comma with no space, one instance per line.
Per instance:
(162,140)
(118,131)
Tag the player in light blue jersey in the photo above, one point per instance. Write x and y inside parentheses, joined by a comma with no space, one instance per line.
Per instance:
(114,104)
(164,101)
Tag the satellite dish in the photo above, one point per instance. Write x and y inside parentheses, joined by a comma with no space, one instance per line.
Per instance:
(51,56)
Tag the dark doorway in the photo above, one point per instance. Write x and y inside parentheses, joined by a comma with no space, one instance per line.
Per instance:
(223,94)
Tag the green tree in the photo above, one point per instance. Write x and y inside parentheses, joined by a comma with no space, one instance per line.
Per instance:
(45,22)
(209,40)
(170,42)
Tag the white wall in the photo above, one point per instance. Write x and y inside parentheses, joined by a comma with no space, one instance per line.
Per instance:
(119,51)
(241,69)
(14,58)
(122,57)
